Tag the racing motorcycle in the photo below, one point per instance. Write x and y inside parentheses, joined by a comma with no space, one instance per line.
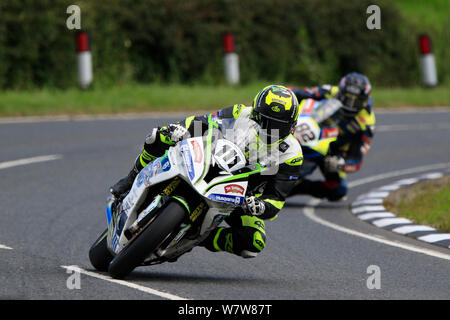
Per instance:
(313,134)
(174,202)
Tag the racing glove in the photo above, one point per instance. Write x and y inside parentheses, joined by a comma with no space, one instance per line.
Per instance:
(334,163)
(254,206)
(176,132)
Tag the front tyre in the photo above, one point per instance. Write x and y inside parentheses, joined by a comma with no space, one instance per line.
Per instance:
(148,241)
(99,254)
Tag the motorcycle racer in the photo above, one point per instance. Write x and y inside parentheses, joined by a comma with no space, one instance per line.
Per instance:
(355,121)
(271,119)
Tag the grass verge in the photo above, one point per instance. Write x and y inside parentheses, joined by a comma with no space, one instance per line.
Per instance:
(157,98)
(426,202)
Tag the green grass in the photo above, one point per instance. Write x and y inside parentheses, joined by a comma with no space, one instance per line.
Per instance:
(427,202)
(157,98)
(129,98)
(430,14)
(411,97)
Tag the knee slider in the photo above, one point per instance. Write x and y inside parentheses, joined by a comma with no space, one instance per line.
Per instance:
(248,254)
(253,244)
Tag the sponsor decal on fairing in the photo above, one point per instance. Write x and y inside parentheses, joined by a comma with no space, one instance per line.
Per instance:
(234,188)
(226,198)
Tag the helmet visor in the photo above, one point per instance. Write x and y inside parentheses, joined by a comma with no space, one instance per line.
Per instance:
(353,102)
(274,129)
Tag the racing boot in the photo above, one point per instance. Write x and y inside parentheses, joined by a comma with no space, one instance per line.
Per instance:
(244,243)
(211,241)
(124,185)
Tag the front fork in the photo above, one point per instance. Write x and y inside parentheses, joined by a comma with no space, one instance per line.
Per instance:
(112,217)
(111,203)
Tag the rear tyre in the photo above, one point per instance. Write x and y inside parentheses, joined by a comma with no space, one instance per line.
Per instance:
(99,254)
(148,241)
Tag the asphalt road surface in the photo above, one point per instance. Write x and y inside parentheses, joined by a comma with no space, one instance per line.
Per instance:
(53,208)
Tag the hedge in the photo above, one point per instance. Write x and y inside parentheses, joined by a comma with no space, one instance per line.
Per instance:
(175,41)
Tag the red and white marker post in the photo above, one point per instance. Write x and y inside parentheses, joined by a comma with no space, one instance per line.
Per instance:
(84,58)
(231,59)
(427,62)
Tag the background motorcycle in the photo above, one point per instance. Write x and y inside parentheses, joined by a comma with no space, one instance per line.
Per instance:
(312,133)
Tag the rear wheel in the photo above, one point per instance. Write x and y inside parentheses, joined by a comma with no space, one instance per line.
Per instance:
(99,254)
(148,241)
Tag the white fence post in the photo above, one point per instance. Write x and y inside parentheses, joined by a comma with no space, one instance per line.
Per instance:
(427,62)
(84,58)
(231,60)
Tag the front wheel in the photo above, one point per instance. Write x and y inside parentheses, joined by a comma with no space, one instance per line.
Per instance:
(148,241)
(99,254)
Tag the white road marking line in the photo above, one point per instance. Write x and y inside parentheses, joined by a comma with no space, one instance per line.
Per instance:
(125,283)
(309,212)
(25,161)
(411,229)
(390,221)
(413,110)
(2,246)
(407,127)
(105,117)
(397,173)
(372,215)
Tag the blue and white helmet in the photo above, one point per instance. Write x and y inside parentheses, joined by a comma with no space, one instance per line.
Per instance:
(354,93)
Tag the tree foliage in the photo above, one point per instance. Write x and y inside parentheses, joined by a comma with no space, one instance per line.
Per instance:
(293,41)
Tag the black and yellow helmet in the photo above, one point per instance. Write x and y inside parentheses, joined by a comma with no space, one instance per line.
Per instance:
(276,108)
